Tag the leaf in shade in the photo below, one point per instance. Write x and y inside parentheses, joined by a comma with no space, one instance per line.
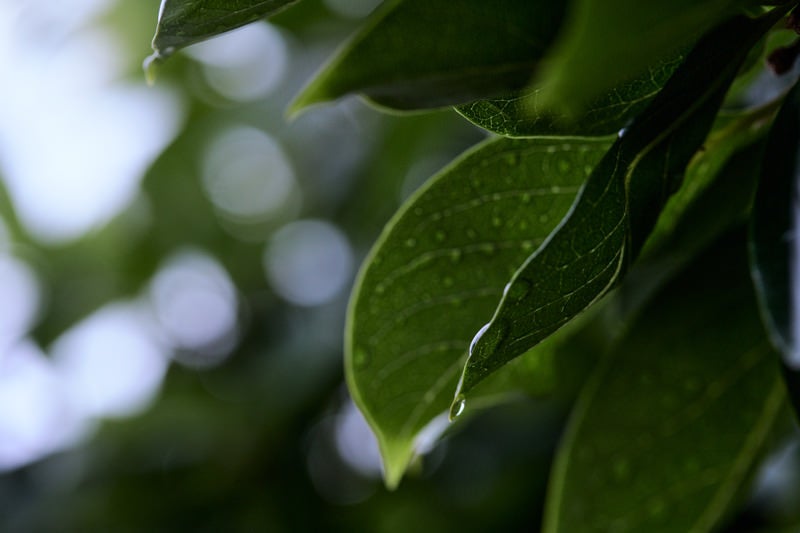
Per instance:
(674,421)
(519,114)
(616,209)
(414,54)
(439,268)
(774,244)
(184,22)
(609,43)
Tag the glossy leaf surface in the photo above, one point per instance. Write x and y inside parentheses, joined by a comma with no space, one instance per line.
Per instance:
(440,267)
(413,54)
(616,209)
(520,114)
(773,246)
(672,424)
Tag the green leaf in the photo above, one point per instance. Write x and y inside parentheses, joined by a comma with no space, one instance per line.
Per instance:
(184,22)
(413,54)
(520,114)
(774,237)
(608,43)
(617,207)
(674,421)
(439,269)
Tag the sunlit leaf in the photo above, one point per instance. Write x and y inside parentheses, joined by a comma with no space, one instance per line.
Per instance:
(616,209)
(520,114)
(773,236)
(439,269)
(184,22)
(608,43)
(673,422)
(413,54)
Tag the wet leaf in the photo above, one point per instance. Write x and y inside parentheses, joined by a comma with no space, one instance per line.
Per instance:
(616,209)
(773,237)
(439,269)
(520,114)
(673,423)
(413,54)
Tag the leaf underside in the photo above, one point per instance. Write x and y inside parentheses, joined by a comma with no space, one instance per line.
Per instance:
(417,54)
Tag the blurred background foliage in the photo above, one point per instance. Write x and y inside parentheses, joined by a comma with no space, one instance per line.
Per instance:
(174,270)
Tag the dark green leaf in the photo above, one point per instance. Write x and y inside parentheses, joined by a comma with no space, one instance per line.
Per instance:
(439,268)
(773,235)
(520,114)
(673,422)
(183,22)
(413,54)
(610,42)
(616,209)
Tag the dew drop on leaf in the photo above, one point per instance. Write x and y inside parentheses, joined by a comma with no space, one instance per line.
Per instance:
(457,407)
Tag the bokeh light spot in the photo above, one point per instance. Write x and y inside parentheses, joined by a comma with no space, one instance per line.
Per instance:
(308,262)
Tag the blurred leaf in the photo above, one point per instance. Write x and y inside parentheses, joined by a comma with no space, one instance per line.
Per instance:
(674,421)
(184,22)
(609,43)
(519,114)
(413,54)
(437,272)
(617,207)
(773,235)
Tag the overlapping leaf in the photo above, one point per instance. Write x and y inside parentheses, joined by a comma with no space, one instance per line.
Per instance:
(774,242)
(413,54)
(673,423)
(609,43)
(519,114)
(616,209)
(184,22)
(439,267)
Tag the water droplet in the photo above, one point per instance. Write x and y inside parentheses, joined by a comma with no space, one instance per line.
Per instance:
(555,189)
(447,282)
(621,133)
(380,288)
(478,336)
(487,248)
(526,198)
(523,225)
(410,243)
(488,338)
(543,219)
(551,149)
(519,289)
(564,166)
(455,256)
(440,236)
(621,469)
(527,246)
(360,359)
(497,222)
(457,407)
(656,507)
(512,159)
(471,233)
(418,211)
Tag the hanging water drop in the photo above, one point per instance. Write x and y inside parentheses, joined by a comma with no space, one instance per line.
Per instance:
(457,407)
(621,133)
(410,243)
